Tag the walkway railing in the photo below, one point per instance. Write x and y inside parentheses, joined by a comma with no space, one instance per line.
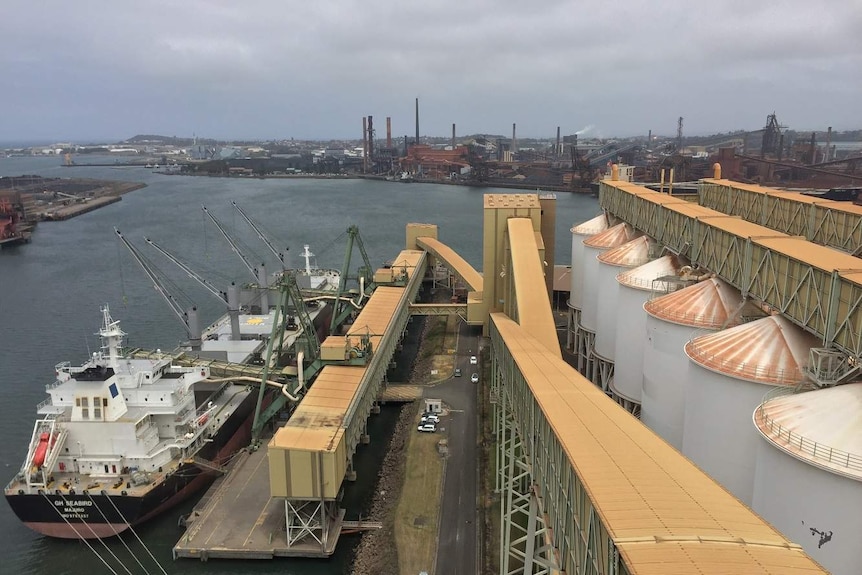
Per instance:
(797,442)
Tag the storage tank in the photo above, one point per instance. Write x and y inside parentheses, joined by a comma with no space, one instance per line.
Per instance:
(671,320)
(636,286)
(579,233)
(809,469)
(611,262)
(593,246)
(729,373)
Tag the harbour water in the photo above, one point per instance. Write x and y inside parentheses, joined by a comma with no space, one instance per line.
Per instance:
(51,290)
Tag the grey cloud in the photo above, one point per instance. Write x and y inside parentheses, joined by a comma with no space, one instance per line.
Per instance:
(312,69)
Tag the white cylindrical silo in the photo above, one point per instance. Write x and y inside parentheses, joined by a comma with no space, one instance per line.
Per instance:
(593,246)
(808,482)
(580,233)
(635,288)
(629,255)
(671,320)
(729,373)
(576,277)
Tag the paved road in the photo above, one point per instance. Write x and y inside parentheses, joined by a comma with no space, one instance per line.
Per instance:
(456,551)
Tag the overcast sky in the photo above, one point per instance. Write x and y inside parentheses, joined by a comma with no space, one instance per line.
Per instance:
(312,69)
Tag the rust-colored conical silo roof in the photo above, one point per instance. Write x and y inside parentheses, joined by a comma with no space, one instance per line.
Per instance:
(710,304)
(591,227)
(611,237)
(820,427)
(645,277)
(771,350)
(631,254)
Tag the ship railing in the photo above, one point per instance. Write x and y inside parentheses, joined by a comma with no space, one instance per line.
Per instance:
(794,441)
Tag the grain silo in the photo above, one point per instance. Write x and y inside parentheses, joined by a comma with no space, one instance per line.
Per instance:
(593,246)
(729,373)
(809,469)
(636,286)
(579,233)
(671,320)
(611,262)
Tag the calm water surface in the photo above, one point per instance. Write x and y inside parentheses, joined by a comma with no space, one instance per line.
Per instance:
(51,290)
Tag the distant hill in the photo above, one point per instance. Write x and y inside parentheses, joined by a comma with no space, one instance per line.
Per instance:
(155,139)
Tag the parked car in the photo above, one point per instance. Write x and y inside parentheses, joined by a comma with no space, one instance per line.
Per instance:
(430,418)
(428,427)
(474,360)
(457,372)
(474,378)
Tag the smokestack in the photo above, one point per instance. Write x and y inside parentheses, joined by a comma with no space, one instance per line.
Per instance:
(453,136)
(370,153)
(388,132)
(513,142)
(364,144)
(558,151)
(649,139)
(813,148)
(417,121)
(828,155)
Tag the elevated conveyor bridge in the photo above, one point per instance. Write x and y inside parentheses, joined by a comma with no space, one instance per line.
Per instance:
(585,487)
(815,286)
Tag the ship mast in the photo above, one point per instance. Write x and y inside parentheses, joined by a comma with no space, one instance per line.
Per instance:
(112,337)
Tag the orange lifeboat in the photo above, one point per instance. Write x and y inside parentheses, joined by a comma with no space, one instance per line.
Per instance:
(41,450)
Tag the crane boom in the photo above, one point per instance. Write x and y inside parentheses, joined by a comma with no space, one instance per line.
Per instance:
(173,304)
(260,234)
(222,296)
(232,243)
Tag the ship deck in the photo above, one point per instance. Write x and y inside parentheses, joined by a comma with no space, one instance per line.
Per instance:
(238,519)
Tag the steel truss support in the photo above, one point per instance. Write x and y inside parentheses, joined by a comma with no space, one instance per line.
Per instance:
(307,520)
(585,341)
(602,371)
(548,522)
(525,541)
(572,327)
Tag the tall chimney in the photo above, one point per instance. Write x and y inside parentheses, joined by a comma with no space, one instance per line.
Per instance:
(364,144)
(417,121)
(513,141)
(557,150)
(453,136)
(370,152)
(649,139)
(388,132)
(828,155)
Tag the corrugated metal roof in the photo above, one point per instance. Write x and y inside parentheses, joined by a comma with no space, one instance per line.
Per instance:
(771,350)
(376,314)
(630,254)
(820,427)
(317,423)
(534,307)
(454,260)
(692,210)
(707,305)
(815,255)
(591,227)
(662,512)
(739,227)
(611,237)
(644,277)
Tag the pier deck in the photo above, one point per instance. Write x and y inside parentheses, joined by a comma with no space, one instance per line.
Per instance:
(237,519)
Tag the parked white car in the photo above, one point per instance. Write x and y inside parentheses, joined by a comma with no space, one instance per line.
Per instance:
(428,427)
